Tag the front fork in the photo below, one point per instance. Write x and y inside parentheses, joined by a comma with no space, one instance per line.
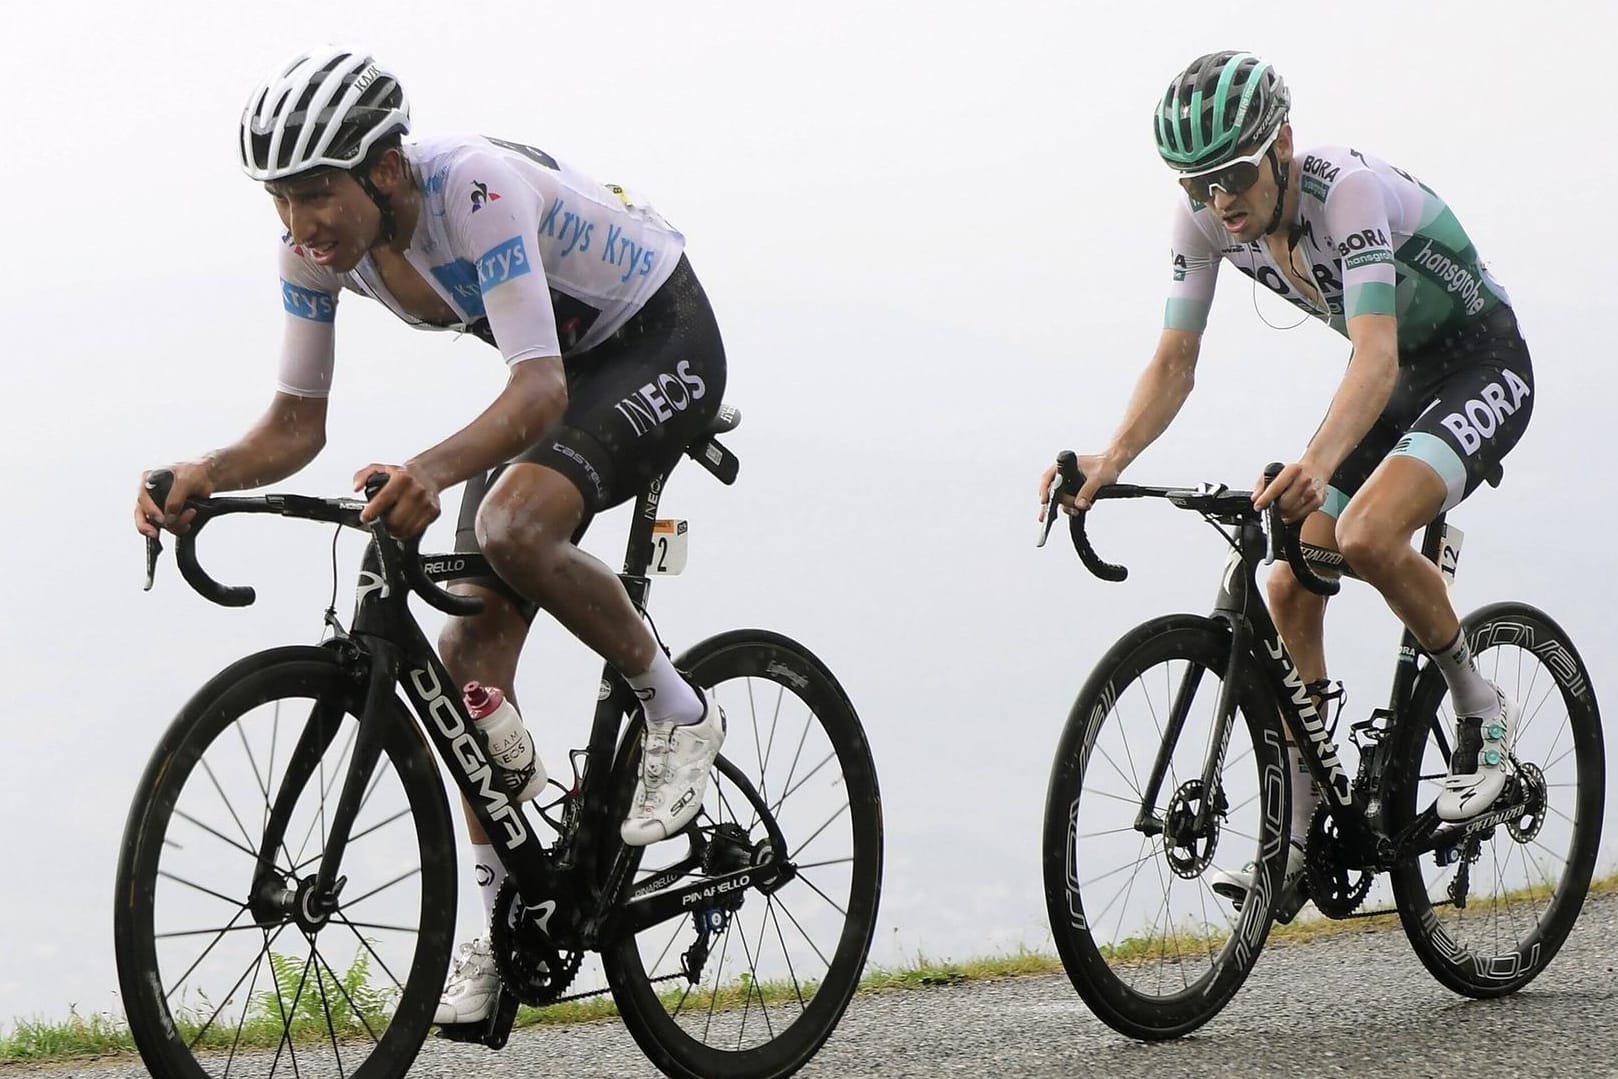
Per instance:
(314,899)
(1147,820)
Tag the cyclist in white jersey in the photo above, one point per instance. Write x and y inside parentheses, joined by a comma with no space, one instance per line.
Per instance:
(1438,387)
(615,365)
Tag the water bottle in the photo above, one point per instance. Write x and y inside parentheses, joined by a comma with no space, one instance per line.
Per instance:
(511,749)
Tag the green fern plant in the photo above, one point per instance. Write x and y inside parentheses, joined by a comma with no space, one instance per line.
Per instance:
(313,1000)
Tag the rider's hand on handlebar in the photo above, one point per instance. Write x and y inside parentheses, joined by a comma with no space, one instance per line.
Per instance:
(1098,472)
(408,502)
(1300,490)
(191,480)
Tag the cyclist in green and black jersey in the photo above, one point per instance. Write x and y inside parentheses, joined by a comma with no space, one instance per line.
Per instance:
(1438,386)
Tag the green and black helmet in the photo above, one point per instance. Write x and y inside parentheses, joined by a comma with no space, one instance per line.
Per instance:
(1223,103)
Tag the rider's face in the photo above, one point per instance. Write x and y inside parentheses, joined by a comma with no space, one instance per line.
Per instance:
(1246,214)
(328,215)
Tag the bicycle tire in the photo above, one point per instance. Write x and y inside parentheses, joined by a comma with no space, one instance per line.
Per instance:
(1466,948)
(165,843)
(676,1037)
(1105,956)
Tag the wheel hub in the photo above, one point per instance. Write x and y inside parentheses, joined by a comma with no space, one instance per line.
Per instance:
(728,850)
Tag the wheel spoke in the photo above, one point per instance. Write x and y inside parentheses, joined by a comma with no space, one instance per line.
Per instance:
(806,788)
(198,902)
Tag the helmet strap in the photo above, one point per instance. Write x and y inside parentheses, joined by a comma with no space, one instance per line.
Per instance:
(1280,190)
(390,223)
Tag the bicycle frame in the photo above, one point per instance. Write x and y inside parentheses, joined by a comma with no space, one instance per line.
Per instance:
(388,647)
(1353,805)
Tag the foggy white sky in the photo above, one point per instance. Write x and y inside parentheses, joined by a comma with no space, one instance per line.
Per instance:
(935,238)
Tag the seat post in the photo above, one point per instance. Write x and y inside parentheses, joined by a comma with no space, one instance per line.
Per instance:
(638,549)
(1441,545)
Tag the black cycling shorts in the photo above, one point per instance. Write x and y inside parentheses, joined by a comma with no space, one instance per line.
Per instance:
(1460,404)
(634,403)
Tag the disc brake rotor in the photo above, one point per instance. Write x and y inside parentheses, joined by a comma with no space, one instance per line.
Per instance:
(1527,826)
(1188,851)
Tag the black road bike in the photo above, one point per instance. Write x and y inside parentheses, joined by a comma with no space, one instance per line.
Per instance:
(1172,766)
(286,890)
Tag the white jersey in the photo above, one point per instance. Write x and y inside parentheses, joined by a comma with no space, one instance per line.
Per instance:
(531,255)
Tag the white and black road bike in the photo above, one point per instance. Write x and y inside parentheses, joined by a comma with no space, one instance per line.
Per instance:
(286,891)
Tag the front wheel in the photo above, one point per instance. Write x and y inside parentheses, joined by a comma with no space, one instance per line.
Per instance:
(752,985)
(231,961)
(1150,946)
(1489,910)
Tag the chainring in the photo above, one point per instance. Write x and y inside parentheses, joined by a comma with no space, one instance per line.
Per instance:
(1336,890)
(531,967)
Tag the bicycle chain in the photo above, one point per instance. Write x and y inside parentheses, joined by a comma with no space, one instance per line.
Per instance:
(607,989)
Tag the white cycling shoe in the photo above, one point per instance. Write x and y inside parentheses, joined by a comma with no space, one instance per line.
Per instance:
(1477,767)
(1234,886)
(473,983)
(674,765)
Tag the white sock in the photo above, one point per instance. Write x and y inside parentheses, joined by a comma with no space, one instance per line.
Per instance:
(1304,795)
(489,874)
(666,696)
(1470,693)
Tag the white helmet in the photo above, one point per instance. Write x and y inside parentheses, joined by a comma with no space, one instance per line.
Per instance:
(325,108)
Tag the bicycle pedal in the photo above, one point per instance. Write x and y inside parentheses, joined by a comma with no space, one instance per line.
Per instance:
(492,1031)
(1290,902)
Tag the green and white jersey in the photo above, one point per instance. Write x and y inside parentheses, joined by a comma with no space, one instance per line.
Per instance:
(1375,239)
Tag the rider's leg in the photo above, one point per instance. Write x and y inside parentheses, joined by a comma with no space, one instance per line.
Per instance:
(1375,532)
(1461,403)
(1402,495)
(525,529)
(484,648)
(1300,616)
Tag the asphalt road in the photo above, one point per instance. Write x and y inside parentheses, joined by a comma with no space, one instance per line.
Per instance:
(1359,1004)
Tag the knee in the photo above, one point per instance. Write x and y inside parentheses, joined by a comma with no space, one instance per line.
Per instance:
(1290,602)
(524,547)
(1367,544)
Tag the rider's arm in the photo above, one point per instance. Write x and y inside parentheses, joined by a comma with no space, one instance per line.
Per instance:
(1159,394)
(289,435)
(1357,216)
(533,399)
(1363,394)
(501,237)
(292,431)
(1166,382)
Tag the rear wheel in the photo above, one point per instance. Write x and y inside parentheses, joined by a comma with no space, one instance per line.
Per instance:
(229,962)
(1490,909)
(752,984)
(1148,944)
